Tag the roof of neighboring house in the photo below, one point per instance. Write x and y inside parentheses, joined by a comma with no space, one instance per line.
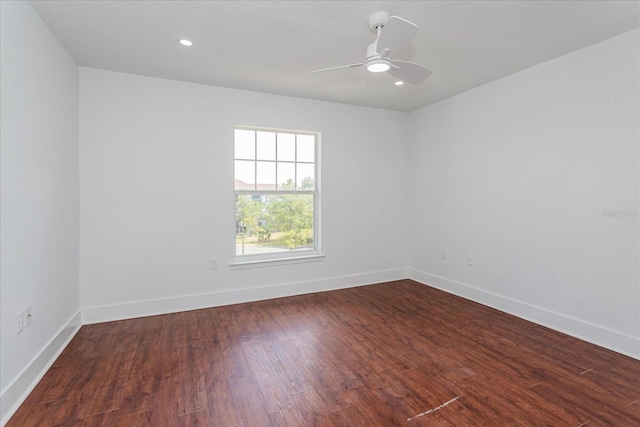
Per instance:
(241,185)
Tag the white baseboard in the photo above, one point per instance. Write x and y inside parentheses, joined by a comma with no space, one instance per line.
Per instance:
(604,337)
(13,396)
(107,313)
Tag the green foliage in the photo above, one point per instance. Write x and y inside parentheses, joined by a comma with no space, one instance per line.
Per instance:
(248,212)
(264,235)
(297,238)
(290,212)
(288,185)
(307,184)
(289,215)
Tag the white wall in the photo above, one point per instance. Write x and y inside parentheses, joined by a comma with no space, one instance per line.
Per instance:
(156,195)
(39,209)
(517,173)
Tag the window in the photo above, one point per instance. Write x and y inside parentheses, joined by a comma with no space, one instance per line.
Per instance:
(277,194)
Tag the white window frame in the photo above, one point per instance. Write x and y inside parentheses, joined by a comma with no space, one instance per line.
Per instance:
(284,257)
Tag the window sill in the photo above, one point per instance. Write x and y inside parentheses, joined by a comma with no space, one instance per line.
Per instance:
(257,263)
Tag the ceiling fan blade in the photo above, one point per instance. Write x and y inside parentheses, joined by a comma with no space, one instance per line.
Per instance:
(410,72)
(336,68)
(396,34)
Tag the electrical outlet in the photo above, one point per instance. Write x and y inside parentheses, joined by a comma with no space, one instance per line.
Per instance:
(469,260)
(213,264)
(27,311)
(443,255)
(20,321)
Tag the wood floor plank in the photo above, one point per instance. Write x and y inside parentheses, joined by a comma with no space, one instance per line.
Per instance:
(378,412)
(102,419)
(503,398)
(274,389)
(248,400)
(591,406)
(220,400)
(351,416)
(396,353)
(136,419)
(329,375)
(310,406)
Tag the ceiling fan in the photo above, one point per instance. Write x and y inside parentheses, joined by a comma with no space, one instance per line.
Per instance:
(393,35)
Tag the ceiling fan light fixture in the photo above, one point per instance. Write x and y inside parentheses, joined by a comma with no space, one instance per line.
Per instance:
(378,66)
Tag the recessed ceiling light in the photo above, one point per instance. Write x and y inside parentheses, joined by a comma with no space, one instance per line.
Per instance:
(185,42)
(399,83)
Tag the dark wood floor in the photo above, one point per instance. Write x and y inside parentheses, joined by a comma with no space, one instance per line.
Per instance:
(392,354)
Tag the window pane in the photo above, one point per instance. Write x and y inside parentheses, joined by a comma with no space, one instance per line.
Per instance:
(245,144)
(286,176)
(266,176)
(306,175)
(245,175)
(306,144)
(274,223)
(266,146)
(287,147)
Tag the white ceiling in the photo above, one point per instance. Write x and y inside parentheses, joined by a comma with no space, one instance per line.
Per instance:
(269,46)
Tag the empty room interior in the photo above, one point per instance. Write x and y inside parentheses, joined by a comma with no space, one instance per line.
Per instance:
(337,213)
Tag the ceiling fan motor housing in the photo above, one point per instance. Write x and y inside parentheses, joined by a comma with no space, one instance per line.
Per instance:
(373,57)
(378,19)
(372,50)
